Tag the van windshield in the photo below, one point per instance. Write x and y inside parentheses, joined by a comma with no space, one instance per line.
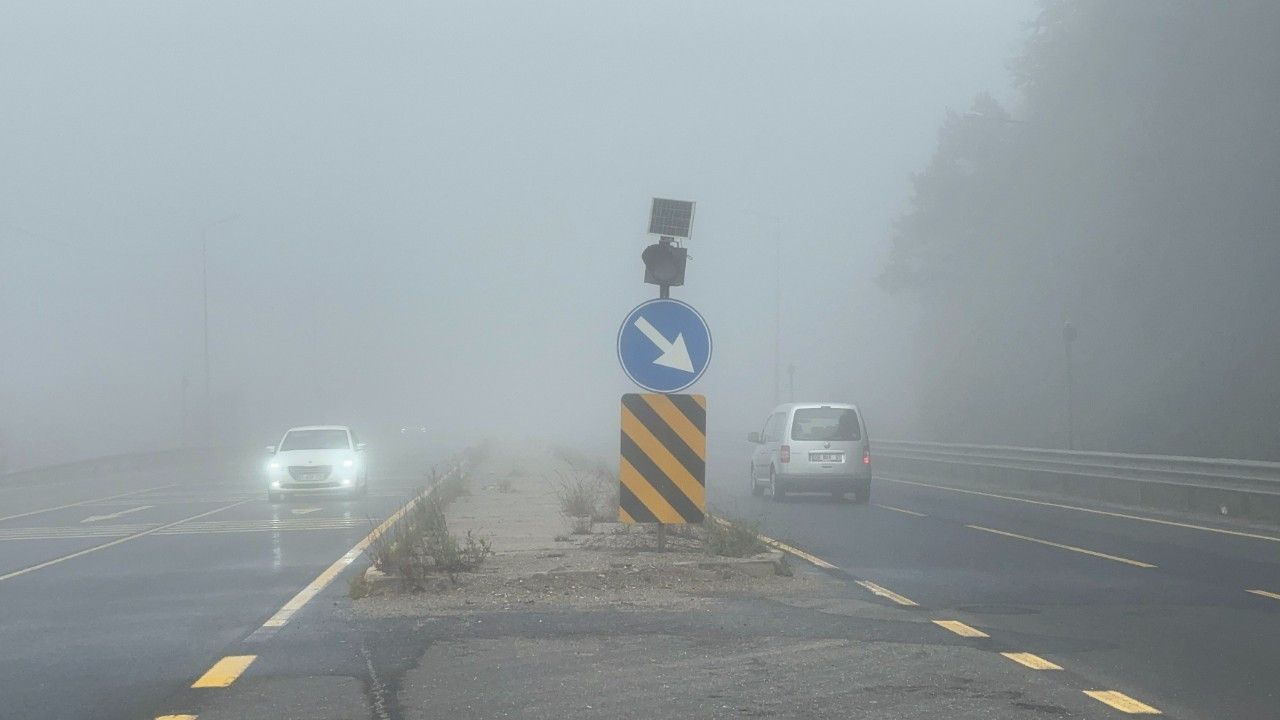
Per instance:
(839,424)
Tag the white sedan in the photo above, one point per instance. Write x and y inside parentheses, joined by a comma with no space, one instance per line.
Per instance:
(317,459)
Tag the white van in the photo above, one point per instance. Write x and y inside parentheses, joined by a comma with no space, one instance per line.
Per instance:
(812,447)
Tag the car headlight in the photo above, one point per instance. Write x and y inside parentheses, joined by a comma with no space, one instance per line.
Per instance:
(274,466)
(346,481)
(275,483)
(348,463)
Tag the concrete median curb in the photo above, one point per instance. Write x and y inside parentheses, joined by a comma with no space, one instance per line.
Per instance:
(763,565)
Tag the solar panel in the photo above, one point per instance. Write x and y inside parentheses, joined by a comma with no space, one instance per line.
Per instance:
(673,218)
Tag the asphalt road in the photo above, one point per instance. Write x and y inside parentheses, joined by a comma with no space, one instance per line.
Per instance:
(117,591)
(1160,611)
(117,594)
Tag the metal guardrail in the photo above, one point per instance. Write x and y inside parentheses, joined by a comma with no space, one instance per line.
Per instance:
(1216,474)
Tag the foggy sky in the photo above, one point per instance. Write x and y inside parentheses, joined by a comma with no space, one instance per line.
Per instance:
(441,207)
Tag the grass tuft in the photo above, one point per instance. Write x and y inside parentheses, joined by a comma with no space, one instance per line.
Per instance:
(420,545)
(731,538)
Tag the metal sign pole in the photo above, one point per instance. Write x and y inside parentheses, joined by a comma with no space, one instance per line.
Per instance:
(664,292)
(683,342)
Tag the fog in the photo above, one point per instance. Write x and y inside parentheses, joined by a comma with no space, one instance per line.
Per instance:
(437,210)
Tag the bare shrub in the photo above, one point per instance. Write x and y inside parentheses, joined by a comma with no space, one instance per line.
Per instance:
(579,495)
(607,504)
(420,544)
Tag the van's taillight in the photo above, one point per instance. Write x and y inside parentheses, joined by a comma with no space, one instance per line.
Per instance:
(866,457)
(784,454)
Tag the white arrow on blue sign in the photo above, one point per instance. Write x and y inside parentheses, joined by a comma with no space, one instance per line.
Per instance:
(664,346)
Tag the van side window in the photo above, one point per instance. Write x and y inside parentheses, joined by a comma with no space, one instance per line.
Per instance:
(773,429)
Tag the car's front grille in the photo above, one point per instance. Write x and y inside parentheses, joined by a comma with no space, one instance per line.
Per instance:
(310,473)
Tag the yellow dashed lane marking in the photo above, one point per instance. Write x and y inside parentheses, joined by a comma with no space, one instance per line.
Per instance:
(798,553)
(1122,702)
(225,671)
(961,629)
(1035,662)
(1072,548)
(878,590)
(176,717)
(883,592)
(784,547)
(1264,593)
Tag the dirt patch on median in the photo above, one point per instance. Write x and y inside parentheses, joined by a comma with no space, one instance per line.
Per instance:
(512,500)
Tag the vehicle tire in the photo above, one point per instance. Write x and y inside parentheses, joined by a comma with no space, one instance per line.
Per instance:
(273,496)
(756,488)
(862,496)
(775,490)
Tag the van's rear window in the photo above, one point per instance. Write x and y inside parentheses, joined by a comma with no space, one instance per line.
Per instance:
(830,424)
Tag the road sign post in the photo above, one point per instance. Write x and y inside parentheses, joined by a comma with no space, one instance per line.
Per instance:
(664,346)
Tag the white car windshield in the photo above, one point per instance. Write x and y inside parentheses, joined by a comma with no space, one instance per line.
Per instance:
(315,440)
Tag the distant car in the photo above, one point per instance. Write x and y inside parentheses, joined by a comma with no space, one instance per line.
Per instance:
(812,447)
(318,458)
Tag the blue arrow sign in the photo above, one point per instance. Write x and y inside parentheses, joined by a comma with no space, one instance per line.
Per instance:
(664,346)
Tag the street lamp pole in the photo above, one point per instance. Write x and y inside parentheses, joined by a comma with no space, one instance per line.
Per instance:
(777,315)
(1069,337)
(777,300)
(204,303)
(204,292)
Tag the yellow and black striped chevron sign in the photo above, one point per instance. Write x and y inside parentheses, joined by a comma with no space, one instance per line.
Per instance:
(664,459)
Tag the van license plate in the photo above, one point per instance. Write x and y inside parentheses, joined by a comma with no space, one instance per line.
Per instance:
(826,457)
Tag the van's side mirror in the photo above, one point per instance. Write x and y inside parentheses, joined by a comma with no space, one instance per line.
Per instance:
(359,447)
(754,438)
(271,449)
